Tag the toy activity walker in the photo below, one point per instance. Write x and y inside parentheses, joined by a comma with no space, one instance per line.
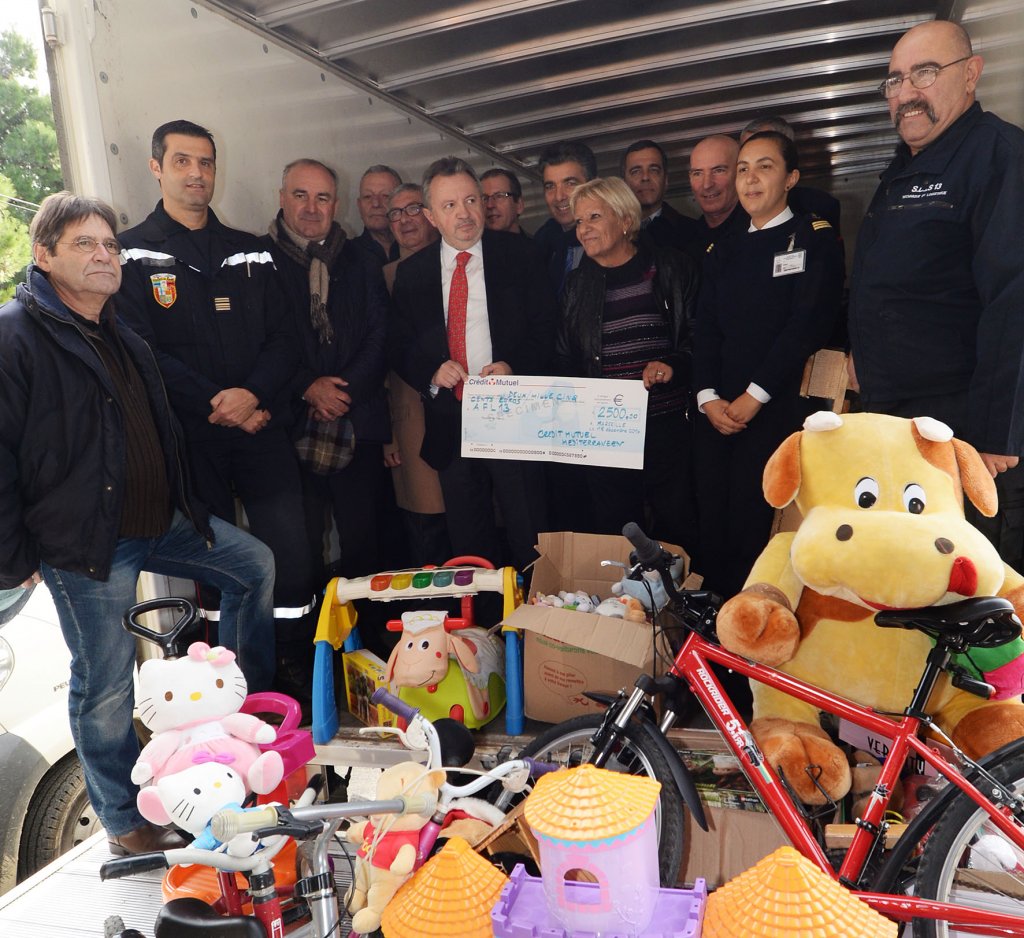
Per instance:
(461,578)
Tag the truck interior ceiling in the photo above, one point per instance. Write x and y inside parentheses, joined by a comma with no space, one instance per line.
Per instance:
(357,82)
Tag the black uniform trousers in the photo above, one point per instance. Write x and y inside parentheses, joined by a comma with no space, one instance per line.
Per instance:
(353,496)
(470,488)
(735,520)
(265,475)
(659,497)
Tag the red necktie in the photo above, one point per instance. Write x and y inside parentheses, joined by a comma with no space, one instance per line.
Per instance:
(458,297)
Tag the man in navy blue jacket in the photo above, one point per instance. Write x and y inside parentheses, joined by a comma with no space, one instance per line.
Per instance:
(207,299)
(937,289)
(94,492)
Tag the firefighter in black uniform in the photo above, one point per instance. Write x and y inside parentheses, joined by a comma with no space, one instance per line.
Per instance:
(937,291)
(206,298)
(770,297)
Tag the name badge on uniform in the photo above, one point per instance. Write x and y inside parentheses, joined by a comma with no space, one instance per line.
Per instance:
(789,262)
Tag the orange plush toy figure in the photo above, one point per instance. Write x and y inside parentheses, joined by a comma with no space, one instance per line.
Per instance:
(883,528)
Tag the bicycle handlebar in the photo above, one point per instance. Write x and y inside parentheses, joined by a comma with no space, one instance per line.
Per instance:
(651,555)
(128,866)
(303,821)
(398,707)
(227,823)
(648,552)
(538,768)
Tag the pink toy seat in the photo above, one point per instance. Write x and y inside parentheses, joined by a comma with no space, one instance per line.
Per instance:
(294,745)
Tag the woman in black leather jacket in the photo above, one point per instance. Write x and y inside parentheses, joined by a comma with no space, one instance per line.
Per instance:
(627,313)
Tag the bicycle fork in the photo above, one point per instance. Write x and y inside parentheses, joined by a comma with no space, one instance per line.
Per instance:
(318,888)
(621,713)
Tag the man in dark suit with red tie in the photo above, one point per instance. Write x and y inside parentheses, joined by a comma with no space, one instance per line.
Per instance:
(477,302)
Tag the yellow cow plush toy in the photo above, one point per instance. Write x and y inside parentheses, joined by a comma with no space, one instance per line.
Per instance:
(883,528)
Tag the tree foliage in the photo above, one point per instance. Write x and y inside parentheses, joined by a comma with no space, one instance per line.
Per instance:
(29,159)
(28,141)
(15,246)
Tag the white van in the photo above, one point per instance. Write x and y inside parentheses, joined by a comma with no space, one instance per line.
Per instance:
(44,808)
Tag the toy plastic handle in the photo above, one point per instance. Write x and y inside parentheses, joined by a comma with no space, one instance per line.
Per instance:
(228,823)
(398,707)
(129,866)
(648,552)
(538,768)
(166,640)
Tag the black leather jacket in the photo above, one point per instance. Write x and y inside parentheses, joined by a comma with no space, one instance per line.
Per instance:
(62,442)
(578,344)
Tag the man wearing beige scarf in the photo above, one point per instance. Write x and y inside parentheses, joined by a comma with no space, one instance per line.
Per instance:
(339,309)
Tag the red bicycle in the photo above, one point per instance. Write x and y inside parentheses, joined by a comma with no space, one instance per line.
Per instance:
(959,866)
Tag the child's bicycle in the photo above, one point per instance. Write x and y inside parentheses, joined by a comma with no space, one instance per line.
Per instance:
(958,867)
(317,825)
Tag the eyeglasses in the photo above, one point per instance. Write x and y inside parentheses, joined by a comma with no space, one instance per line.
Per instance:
(921,77)
(496,197)
(413,208)
(87,245)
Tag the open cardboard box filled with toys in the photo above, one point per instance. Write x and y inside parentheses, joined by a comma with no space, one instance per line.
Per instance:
(568,650)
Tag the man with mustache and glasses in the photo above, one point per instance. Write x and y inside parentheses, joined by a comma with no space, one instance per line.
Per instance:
(937,289)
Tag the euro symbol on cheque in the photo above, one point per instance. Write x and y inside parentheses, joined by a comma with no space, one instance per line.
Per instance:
(617,400)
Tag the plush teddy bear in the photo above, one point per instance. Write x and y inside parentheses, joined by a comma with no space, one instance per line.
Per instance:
(191,705)
(388,845)
(883,528)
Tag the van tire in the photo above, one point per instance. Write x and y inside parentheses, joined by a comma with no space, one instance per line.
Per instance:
(59,817)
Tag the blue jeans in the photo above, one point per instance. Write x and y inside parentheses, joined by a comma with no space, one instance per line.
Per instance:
(101,696)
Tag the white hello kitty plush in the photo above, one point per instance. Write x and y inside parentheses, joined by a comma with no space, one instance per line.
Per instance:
(191,704)
(191,797)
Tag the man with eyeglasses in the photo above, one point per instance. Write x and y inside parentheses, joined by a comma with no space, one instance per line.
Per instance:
(409,226)
(503,200)
(645,169)
(375,188)
(937,288)
(339,310)
(417,487)
(94,492)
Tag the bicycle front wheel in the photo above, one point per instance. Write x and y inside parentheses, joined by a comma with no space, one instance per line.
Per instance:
(968,862)
(637,753)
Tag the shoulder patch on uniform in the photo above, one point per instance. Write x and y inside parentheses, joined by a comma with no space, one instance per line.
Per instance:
(165,289)
(819,224)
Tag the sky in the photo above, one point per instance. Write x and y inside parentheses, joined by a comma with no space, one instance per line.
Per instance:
(23,17)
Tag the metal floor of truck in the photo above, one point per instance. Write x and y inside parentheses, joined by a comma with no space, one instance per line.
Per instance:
(67,899)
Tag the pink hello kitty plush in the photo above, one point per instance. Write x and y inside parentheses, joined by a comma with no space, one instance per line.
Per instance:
(191,705)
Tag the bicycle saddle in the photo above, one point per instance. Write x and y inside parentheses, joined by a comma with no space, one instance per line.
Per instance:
(981,622)
(192,918)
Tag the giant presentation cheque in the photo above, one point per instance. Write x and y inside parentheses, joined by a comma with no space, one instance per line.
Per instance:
(588,421)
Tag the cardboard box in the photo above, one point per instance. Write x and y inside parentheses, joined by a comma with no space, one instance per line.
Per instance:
(716,772)
(738,836)
(565,652)
(364,673)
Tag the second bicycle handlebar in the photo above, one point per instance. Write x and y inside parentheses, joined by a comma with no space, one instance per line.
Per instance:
(271,819)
